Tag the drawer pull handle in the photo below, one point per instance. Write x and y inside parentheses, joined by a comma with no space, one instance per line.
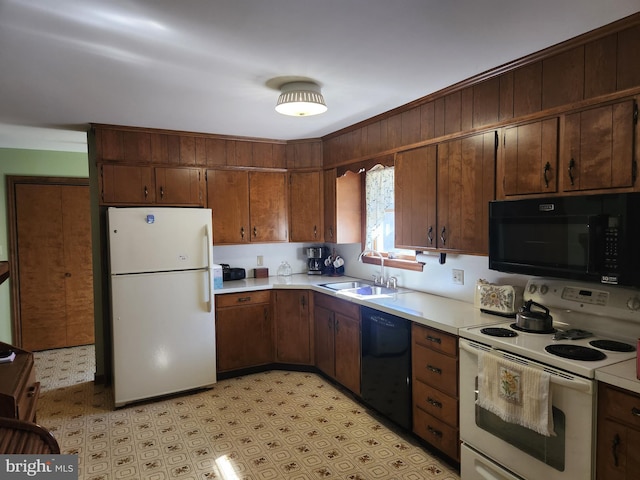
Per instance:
(635,412)
(434,369)
(244,299)
(434,339)
(434,432)
(434,403)
(614,448)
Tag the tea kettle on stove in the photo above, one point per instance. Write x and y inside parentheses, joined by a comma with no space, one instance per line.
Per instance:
(534,321)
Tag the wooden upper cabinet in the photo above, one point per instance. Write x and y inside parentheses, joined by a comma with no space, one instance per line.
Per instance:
(598,147)
(342,207)
(465,185)
(529,160)
(305,206)
(127,185)
(179,186)
(442,194)
(415,198)
(228,199)
(268,206)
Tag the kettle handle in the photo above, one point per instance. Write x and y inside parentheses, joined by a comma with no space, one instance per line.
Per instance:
(529,303)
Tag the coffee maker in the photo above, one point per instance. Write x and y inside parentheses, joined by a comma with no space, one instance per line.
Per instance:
(315,260)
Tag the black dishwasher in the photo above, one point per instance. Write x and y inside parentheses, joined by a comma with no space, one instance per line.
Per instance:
(386,365)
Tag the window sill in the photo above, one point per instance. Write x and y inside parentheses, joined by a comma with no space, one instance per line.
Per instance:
(395,263)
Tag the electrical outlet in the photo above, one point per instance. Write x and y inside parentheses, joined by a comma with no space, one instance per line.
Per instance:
(457,276)
(260,260)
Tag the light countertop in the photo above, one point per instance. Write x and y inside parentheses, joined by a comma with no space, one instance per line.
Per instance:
(621,375)
(442,313)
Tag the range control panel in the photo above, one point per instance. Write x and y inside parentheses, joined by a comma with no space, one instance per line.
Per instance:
(595,299)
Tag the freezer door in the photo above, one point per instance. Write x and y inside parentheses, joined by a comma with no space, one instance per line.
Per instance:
(163,334)
(158,239)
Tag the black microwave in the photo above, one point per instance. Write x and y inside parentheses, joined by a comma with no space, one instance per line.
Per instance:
(593,238)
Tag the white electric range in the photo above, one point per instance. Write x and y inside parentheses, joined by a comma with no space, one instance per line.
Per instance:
(601,322)
(588,319)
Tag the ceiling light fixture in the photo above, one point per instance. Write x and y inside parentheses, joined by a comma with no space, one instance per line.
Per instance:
(300,99)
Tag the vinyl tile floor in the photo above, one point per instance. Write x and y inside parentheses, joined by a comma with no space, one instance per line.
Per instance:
(271,425)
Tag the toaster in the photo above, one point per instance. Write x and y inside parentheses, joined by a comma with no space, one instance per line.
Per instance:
(504,300)
(229,273)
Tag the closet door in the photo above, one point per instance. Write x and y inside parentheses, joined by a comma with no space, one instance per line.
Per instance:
(54,265)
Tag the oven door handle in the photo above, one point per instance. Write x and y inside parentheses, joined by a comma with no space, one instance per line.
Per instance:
(557,377)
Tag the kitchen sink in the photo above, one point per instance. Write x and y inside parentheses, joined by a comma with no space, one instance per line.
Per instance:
(363,289)
(348,285)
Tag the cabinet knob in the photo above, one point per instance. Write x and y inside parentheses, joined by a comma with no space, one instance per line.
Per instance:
(433,369)
(161,191)
(255,232)
(430,235)
(434,432)
(443,236)
(242,232)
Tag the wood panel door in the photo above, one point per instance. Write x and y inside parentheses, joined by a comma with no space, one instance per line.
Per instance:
(54,265)
(268,206)
(415,198)
(305,206)
(228,199)
(293,327)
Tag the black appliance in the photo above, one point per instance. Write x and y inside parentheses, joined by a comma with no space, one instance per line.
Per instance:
(229,273)
(588,237)
(386,365)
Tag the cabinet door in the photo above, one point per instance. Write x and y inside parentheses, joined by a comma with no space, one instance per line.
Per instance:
(530,158)
(329,188)
(268,206)
(126,184)
(228,199)
(179,186)
(347,352)
(293,332)
(415,198)
(324,340)
(243,337)
(598,148)
(466,184)
(305,197)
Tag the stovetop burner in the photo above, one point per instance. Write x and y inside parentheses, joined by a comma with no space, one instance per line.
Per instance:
(575,352)
(498,332)
(612,345)
(520,329)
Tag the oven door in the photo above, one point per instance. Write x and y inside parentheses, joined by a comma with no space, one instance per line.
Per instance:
(512,449)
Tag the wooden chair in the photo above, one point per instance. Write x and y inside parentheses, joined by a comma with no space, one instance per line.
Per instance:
(23,437)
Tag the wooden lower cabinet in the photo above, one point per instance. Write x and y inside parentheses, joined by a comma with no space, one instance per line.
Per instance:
(435,388)
(337,339)
(293,327)
(244,330)
(618,438)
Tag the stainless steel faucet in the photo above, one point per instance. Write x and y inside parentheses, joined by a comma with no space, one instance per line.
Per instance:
(376,280)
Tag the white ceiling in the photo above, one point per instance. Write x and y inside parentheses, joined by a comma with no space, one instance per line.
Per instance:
(204,66)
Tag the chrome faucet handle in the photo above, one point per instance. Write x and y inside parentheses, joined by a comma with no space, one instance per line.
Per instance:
(392,282)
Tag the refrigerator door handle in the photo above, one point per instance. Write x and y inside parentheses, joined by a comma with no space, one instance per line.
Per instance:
(209,266)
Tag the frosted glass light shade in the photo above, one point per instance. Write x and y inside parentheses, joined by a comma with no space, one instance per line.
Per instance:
(300,99)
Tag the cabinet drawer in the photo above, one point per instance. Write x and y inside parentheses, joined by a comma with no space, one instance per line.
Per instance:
(346,308)
(436,403)
(435,339)
(621,405)
(437,433)
(436,369)
(246,298)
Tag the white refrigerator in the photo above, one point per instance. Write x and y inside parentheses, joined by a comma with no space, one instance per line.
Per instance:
(162,301)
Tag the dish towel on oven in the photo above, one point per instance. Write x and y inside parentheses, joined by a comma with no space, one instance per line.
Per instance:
(516,393)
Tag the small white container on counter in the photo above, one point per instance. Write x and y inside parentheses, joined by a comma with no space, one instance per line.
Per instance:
(216,271)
